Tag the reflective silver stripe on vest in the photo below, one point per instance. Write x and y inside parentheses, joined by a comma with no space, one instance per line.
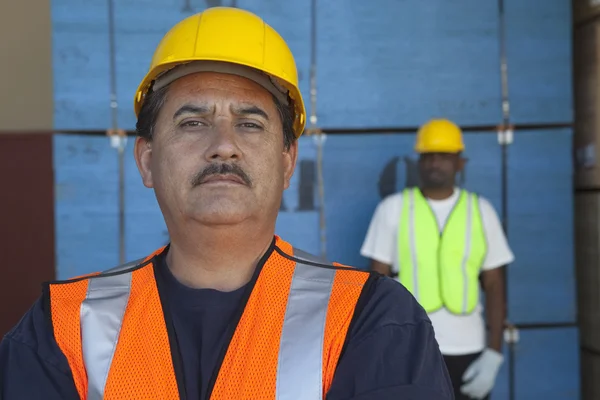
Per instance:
(300,362)
(413,246)
(304,256)
(467,253)
(102,314)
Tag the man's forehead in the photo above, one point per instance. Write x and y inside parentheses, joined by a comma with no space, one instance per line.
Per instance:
(219,83)
(208,92)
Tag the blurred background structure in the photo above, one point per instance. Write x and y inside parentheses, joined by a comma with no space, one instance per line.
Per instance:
(520,76)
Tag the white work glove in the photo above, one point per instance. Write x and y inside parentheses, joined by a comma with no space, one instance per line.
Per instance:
(480,377)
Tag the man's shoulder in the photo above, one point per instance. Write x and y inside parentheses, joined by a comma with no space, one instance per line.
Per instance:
(389,206)
(393,199)
(389,303)
(32,366)
(114,270)
(395,301)
(485,206)
(33,333)
(382,294)
(31,325)
(484,202)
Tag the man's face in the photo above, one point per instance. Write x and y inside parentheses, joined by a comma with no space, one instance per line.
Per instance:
(217,154)
(438,170)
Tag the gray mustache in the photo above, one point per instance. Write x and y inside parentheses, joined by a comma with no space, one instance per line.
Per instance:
(221,169)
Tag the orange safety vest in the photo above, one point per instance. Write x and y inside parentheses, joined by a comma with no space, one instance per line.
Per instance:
(286,345)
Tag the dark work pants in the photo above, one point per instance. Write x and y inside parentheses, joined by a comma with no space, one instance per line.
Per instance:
(457,365)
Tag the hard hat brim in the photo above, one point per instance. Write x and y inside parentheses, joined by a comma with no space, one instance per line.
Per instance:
(431,149)
(226,67)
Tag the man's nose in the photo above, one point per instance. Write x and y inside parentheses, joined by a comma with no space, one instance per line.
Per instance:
(224,144)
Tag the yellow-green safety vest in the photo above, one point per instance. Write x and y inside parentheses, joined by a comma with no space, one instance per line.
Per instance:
(441,269)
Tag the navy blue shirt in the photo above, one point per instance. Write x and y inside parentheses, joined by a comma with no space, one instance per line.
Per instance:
(391,351)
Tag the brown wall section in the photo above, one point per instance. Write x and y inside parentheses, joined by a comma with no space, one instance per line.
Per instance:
(584,10)
(26,95)
(586,67)
(27,228)
(586,141)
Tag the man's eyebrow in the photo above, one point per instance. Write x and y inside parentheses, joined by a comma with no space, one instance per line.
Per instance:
(191,109)
(250,110)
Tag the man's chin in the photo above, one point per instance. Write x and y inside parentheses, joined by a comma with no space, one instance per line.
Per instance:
(223,212)
(435,184)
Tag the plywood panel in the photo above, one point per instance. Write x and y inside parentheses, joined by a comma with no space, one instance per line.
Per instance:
(81,64)
(145,229)
(298,220)
(538,46)
(398,63)
(88,210)
(546,366)
(86,205)
(540,211)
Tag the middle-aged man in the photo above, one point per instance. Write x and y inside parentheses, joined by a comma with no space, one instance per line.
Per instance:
(227,310)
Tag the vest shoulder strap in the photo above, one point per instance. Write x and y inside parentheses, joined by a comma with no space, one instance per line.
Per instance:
(319,300)
(81,312)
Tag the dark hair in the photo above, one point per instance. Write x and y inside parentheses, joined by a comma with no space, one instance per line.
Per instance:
(156,99)
(148,114)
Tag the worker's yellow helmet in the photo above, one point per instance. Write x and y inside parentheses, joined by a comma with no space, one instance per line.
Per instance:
(227,39)
(439,136)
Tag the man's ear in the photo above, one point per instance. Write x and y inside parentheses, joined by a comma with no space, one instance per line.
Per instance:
(143,159)
(290,157)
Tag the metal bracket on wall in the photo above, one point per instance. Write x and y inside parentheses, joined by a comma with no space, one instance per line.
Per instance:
(319,137)
(511,334)
(505,135)
(118,141)
(118,138)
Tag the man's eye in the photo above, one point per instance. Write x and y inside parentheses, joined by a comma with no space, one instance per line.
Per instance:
(250,125)
(192,123)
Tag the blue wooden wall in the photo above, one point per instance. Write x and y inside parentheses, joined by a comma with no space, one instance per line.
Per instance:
(395,64)
(538,47)
(399,63)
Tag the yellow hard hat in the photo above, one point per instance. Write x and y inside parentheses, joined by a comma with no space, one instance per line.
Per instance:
(439,136)
(235,39)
